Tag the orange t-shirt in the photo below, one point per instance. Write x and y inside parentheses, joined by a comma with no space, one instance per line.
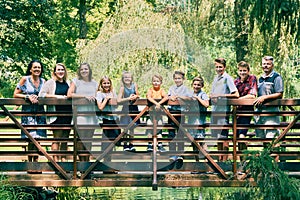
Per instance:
(156,94)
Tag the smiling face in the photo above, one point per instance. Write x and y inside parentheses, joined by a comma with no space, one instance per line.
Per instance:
(243,73)
(197,85)
(178,79)
(84,72)
(127,79)
(36,69)
(156,83)
(106,85)
(60,73)
(267,66)
(220,68)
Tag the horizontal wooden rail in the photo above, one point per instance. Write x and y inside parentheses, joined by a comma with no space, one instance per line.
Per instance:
(114,167)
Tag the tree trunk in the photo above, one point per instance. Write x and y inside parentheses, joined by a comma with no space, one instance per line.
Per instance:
(82,20)
(241,34)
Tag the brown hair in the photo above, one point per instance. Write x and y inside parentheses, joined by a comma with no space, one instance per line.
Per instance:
(157,76)
(200,79)
(28,72)
(90,73)
(221,61)
(244,64)
(179,73)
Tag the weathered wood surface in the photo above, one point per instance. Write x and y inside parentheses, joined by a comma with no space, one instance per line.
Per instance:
(138,169)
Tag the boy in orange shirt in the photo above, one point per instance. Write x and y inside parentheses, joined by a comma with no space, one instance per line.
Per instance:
(156,92)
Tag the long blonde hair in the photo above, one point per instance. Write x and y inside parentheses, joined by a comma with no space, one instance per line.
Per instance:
(123,76)
(100,88)
(54,70)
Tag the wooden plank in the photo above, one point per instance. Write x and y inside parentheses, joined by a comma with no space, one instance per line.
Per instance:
(126,165)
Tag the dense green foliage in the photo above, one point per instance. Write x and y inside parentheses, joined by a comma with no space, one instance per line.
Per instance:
(156,36)
(44,30)
(9,192)
(152,36)
(273,183)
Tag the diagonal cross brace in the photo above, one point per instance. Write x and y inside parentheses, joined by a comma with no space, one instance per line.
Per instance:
(40,148)
(207,156)
(108,149)
(286,130)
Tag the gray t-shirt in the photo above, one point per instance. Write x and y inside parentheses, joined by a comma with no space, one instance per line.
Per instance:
(181,90)
(222,85)
(86,89)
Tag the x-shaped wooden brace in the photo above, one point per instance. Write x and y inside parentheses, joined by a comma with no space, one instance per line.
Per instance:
(109,148)
(214,165)
(40,148)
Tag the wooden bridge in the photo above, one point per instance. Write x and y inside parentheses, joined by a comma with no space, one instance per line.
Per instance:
(141,168)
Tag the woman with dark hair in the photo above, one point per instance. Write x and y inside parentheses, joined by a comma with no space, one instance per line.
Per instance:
(29,88)
(57,87)
(84,87)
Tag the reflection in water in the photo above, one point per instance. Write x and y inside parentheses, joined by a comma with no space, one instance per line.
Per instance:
(164,193)
(143,193)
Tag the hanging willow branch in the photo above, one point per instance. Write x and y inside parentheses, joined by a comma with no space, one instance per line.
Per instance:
(270,15)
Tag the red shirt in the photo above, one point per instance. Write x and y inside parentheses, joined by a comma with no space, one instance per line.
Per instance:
(249,86)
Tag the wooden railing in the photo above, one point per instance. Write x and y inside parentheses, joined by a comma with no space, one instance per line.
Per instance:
(141,168)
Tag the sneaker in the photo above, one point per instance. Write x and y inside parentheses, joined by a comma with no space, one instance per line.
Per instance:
(179,158)
(126,147)
(179,162)
(199,136)
(160,148)
(240,173)
(150,148)
(172,158)
(131,147)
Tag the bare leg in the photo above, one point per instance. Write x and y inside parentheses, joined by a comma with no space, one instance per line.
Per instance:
(56,145)
(64,145)
(88,134)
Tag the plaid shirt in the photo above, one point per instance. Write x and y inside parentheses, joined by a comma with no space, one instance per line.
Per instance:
(249,86)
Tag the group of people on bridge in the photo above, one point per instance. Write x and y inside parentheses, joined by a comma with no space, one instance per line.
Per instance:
(246,86)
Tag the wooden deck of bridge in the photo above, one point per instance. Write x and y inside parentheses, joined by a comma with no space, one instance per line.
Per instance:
(141,168)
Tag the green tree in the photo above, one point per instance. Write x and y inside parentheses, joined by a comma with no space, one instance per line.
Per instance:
(25,26)
(273,183)
(45,30)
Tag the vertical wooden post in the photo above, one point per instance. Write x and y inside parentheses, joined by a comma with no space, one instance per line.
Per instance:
(75,142)
(154,158)
(234,129)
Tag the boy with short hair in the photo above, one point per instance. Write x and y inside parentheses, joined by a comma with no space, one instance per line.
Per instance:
(247,88)
(177,92)
(222,87)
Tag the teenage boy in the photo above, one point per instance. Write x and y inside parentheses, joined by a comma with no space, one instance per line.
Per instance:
(177,92)
(222,87)
(247,88)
